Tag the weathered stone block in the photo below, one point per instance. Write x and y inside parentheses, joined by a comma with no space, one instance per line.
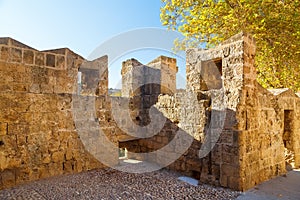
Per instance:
(39,59)
(60,62)
(50,60)
(4,163)
(229,170)
(234,183)
(22,175)
(28,57)
(5,53)
(20,87)
(58,157)
(8,177)
(3,128)
(16,55)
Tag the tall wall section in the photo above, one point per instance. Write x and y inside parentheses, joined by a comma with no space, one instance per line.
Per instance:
(214,82)
(141,86)
(261,124)
(247,128)
(38,136)
(56,116)
(256,120)
(258,126)
(205,112)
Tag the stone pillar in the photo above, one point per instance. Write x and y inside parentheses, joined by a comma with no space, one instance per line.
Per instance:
(168,69)
(132,77)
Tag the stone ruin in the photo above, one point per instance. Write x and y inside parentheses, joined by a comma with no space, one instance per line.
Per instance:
(224,129)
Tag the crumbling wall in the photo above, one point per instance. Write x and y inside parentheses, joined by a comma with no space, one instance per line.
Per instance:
(263,125)
(56,116)
(38,137)
(189,114)
(251,143)
(288,104)
(168,69)
(261,144)
(141,86)
(227,112)
(205,112)
(215,78)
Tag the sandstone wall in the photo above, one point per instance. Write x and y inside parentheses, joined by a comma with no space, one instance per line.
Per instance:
(168,69)
(217,75)
(224,109)
(261,125)
(157,77)
(206,113)
(38,137)
(253,150)
(56,116)
(296,136)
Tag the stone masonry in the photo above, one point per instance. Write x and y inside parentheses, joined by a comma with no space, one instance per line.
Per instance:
(38,137)
(224,109)
(56,116)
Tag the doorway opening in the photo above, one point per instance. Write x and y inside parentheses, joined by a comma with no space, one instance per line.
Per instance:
(123,153)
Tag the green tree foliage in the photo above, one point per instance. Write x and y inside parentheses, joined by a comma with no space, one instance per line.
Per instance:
(275,24)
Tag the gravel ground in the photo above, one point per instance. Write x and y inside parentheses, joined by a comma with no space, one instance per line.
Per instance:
(113,184)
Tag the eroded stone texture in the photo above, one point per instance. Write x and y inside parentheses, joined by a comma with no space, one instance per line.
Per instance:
(38,137)
(157,77)
(241,129)
(56,116)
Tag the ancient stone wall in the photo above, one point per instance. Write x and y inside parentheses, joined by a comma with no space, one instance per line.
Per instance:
(168,69)
(268,130)
(131,84)
(254,126)
(205,112)
(141,86)
(246,127)
(261,125)
(56,116)
(156,77)
(38,137)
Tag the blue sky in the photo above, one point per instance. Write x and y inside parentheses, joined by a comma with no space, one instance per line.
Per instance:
(83,26)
